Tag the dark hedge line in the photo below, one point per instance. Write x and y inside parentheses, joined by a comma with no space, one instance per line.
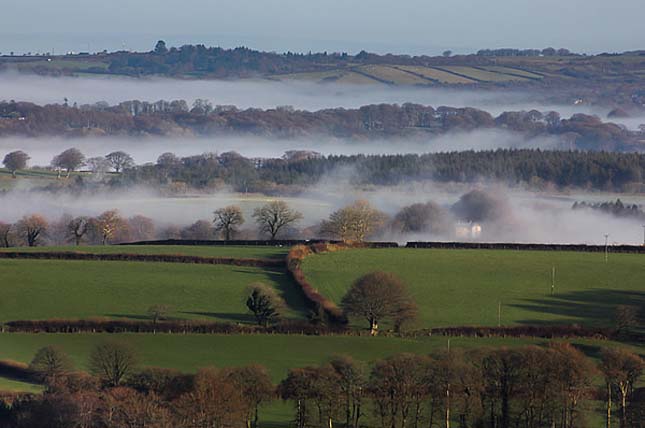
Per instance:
(258,243)
(179,327)
(547,332)
(285,327)
(636,249)
(318,303)
(165,258)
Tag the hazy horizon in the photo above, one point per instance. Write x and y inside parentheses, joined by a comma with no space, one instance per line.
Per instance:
(379,26)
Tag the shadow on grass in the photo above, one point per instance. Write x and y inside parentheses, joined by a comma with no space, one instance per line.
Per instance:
(592,307)
(286,287)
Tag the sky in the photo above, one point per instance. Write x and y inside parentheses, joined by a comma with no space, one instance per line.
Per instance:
(404,26)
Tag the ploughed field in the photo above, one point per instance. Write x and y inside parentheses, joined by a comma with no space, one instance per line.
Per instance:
(466,287)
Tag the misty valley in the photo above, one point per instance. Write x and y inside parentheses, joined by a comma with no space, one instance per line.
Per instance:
(223,237)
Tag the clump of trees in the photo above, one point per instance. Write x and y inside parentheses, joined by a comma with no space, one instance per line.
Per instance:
(377,297)
(426,217)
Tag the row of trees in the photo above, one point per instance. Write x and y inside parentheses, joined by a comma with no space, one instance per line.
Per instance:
(110,226)
(393,121)
(72,159)
(299,169)
(358,221)
(525,387)
(296,170)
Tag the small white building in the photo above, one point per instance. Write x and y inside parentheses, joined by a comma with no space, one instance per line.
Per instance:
(469,230)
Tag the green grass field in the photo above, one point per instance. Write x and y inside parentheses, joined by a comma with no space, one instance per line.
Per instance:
(236,251)
(41,289)
(464,287)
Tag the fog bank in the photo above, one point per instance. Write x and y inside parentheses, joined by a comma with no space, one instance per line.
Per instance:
(42,150)
(269,94)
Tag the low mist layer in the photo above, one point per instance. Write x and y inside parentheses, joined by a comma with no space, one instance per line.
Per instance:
(142,150)
(517,216)
(270,94)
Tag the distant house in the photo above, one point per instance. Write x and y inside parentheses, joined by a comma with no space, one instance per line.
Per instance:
(468,230)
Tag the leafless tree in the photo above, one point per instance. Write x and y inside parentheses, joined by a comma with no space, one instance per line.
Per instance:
(77,228)
(227,220)
(32,228)
(621,369)
(50,362)
(112,361)
(274,217)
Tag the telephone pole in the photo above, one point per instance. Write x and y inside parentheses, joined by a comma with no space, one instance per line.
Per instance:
(606,247)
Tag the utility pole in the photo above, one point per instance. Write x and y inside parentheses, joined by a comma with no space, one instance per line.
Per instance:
(606,247)
(644,235)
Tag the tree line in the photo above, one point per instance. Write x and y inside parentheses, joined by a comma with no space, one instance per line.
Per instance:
(298,169)
(530,386)
(387,121)
(356,222)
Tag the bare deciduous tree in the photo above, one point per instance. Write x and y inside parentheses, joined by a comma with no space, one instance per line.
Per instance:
(51,362)
(227,220)
(77,228)
(112,362)
(255,383)
(108,224)
(5,234)
(275,216)
(159,312)
(621,369)
(32,228)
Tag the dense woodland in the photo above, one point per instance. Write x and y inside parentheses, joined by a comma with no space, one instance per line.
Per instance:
(384,121)
(535,168)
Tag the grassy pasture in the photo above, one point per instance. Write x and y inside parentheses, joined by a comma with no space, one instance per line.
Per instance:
(277,352)
(237,251)
(43,289)
(393,75)
(465,287)
(483,75)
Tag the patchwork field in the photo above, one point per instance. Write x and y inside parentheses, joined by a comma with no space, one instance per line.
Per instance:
(474,281)
(465,287)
